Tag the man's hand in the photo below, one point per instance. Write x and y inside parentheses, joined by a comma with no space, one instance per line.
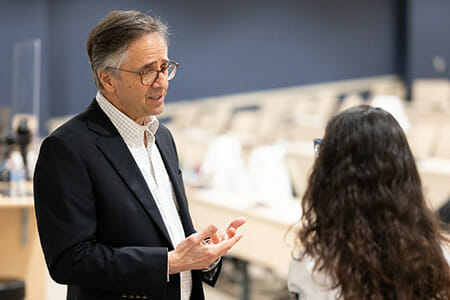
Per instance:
(230,232)
(194,254)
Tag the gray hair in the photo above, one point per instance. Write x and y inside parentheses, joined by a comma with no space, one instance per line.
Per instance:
(108,41)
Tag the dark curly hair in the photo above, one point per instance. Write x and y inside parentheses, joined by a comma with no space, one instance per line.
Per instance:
(365,220)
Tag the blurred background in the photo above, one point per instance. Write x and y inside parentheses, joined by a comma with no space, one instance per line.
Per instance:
(257,82)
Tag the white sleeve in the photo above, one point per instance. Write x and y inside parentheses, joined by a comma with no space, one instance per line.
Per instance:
(294,278)
(304,284)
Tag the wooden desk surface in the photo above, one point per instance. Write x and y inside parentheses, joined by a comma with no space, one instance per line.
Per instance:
(21,202)
(20,252)
(267,239)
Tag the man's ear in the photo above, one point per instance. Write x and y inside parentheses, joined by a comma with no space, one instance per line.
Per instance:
(107,80)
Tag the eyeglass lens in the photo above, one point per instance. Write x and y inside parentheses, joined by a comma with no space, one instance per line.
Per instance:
(149,77)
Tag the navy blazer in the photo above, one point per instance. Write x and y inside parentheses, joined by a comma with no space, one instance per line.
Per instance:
(99,226)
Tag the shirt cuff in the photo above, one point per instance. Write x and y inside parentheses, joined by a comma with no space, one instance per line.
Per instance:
(168,276)
(212,266)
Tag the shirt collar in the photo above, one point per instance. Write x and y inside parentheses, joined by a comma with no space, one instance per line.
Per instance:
(131,132)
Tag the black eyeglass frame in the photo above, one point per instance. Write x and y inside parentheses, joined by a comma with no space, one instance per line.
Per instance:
(170,64)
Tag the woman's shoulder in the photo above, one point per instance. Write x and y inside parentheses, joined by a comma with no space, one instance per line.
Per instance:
(446,252)
(305,283)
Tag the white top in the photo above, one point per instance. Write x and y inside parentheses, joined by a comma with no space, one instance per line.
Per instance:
(152,167)
(303,284)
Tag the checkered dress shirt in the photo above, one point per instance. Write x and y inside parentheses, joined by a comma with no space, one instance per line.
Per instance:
(152,168)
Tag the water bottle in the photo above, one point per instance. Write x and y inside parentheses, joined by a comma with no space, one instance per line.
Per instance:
(17,176)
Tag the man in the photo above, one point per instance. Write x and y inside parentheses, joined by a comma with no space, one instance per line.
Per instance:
(110,203)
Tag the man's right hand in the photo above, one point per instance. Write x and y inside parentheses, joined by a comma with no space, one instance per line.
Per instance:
(193,254)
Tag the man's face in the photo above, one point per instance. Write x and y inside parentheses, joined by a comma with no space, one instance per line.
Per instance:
(127,92)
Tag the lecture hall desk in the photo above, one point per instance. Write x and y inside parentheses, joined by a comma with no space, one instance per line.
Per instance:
(20,251)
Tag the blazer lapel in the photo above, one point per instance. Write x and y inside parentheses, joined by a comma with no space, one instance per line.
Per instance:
(177,183)
(114,148)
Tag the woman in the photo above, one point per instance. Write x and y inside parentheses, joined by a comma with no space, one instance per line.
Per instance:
(366,230)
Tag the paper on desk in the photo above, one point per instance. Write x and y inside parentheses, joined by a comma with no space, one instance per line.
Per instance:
(288,212)
(395,106)
(234,200)
(223,167)
(269,176)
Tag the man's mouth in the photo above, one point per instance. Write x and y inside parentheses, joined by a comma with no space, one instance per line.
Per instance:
(156,97)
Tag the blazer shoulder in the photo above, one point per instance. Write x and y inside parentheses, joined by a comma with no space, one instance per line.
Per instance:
(73,126)
(76,128)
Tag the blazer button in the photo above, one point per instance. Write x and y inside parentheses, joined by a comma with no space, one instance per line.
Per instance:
(144,297)
(131,297)
(124,296)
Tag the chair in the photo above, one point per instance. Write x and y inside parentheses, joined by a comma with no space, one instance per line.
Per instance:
(351,100)
(442,149)
(435,175)
(391,88)
(422,137)
(395,106)
(245,124)
(215,117)
(299,161)
(327,103)
(431,94)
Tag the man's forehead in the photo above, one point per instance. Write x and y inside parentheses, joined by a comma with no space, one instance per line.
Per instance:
(152,41)
(146,50)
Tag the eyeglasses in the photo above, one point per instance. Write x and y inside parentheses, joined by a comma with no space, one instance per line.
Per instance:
(317,146)
(149,77)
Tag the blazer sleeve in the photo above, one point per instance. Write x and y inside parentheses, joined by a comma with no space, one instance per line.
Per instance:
(66,216)
(210,276)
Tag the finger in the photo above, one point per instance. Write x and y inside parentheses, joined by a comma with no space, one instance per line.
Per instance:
(231,232)
(223,236)
(215,238)
(236,223)
(222,248)
(228,244)
(231,242)
(208,231)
